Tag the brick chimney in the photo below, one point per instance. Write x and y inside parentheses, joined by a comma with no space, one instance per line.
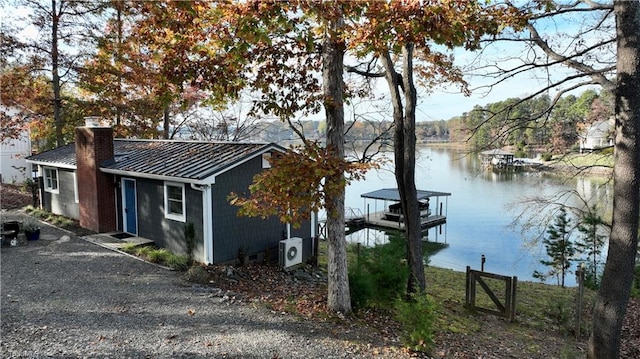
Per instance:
(96,190)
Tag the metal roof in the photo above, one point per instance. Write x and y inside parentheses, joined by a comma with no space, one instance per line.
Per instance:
(164,158)
(496,152)
(392,194)
(64,156)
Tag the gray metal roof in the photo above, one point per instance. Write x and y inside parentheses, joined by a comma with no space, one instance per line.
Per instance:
(392,194)
(496,152)
(164,158)
(64,156)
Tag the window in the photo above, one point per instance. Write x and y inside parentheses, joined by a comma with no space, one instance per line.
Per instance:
(266,160)
(51,180)
(174,201)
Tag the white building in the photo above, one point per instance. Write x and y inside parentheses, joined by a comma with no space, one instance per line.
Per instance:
(13,152)
(597,136)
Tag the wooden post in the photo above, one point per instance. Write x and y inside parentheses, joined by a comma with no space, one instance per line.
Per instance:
(580,278)
(514,290)
(467,295)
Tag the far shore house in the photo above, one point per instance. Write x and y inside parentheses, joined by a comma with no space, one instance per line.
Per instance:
(597,136)
(153,188)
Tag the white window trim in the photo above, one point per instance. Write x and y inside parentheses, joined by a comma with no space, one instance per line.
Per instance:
(48,188)
(76,196)
(173,216)
(265,160)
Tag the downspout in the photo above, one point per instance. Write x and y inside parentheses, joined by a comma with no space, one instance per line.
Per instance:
(207,226)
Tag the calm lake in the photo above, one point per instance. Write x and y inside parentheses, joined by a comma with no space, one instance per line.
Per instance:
(479,211)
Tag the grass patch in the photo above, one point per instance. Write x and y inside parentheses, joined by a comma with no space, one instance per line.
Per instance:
(541,309)
(588,159)
(54,219)
(538,306)
(158,255)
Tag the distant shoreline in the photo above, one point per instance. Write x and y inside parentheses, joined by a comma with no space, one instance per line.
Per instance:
(548,166)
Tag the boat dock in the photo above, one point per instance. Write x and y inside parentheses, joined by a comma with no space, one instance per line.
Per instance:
(381,220)
(390,216)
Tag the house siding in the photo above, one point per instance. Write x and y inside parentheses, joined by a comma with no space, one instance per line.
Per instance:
(167,233)
(64,202)
(254,235)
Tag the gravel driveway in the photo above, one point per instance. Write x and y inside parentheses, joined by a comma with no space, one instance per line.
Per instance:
(63,297)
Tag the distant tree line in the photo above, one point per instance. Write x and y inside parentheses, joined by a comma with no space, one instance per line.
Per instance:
(534,122)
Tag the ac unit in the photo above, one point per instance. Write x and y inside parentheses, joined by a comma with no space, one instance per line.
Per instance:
(290,252)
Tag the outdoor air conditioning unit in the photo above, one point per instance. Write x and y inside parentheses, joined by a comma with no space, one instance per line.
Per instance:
(290,252)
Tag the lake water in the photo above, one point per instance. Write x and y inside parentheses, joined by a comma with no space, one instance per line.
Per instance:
(479,211)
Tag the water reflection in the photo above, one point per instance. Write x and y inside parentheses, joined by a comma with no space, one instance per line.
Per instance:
(483,207)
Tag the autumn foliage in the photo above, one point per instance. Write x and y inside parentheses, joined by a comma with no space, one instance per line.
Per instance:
(295,185)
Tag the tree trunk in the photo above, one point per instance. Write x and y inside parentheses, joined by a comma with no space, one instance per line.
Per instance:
(613,296)
(165,122)
(55,75)
(412,211)
(338,297)
(405,161)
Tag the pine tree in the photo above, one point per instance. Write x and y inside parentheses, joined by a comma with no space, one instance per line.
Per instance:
(559,247)
(590,243)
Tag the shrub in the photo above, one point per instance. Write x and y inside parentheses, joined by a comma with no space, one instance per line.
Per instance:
(635,289)
(197,274)
(129,247)
(143,251)
(418,317)
(379,275)
(361,287)
(190,240)
(159,256)
(177,262)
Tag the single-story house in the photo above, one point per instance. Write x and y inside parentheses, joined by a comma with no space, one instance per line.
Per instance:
(598,135)
(14,151)
(153,188)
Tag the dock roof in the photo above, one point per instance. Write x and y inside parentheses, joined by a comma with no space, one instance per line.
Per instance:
(392,194)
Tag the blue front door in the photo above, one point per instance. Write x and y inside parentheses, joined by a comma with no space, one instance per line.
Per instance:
(130,212)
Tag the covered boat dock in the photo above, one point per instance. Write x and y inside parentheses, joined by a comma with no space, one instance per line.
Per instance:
(386,212)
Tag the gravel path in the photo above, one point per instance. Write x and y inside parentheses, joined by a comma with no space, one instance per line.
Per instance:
(62,297)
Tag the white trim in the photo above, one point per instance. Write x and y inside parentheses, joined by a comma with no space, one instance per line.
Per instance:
(207,234)
(124,202)
(76,196)
(207,225)
(265,160)
(151,176)
(48,186)
(314,223)
(53,164)
(175,216)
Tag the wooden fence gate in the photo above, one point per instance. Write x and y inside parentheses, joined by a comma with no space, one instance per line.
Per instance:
(506,309)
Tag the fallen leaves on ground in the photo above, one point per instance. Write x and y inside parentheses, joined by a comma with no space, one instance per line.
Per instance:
(303,292)
(13,197)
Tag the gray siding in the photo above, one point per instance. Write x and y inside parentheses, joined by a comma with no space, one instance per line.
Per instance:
(232,233)
(167,233)
(63,203)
